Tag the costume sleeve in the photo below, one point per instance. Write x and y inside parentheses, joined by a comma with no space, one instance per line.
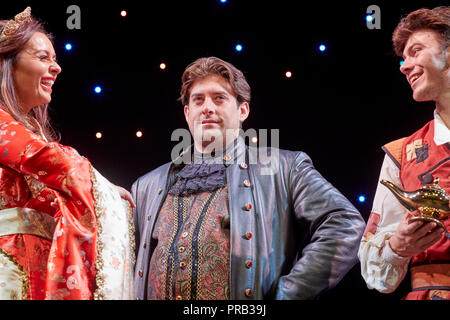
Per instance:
(381,268)
(58,167)
(334,227)
(71,265)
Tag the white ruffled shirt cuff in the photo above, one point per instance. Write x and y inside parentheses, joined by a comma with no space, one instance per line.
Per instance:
(393,258)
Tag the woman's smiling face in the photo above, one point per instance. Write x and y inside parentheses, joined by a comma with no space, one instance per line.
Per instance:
(35,71)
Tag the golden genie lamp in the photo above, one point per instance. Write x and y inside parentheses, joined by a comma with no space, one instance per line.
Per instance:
(431,201)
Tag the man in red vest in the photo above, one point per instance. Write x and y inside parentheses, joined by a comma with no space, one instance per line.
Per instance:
(390,244)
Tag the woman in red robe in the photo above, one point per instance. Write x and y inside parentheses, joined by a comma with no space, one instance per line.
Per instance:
(65,231)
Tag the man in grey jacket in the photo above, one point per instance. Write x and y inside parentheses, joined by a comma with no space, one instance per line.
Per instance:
(227,221)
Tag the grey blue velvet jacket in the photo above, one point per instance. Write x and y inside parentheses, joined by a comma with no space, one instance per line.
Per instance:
(300,234)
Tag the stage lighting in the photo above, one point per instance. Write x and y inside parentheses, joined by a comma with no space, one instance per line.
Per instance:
(68,46)
(322,47)
(288,74)
(238,47)
(123,13)
(98,89)
(162,66)
(369,18)
(362,199)
(139,134)
(223,1)
(98,135)
(401,62)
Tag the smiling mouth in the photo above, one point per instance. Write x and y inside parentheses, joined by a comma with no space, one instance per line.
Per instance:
(414,79)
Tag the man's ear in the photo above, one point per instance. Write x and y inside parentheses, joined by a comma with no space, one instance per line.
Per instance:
(244,110)
(186,112)
(447,54)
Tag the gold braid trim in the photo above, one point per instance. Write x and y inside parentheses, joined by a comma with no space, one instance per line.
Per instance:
(131,230)
(99,277)
(23,273)
(202,227)
(172,239)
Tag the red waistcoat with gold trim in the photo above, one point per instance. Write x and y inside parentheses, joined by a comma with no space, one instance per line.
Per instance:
(422,161)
